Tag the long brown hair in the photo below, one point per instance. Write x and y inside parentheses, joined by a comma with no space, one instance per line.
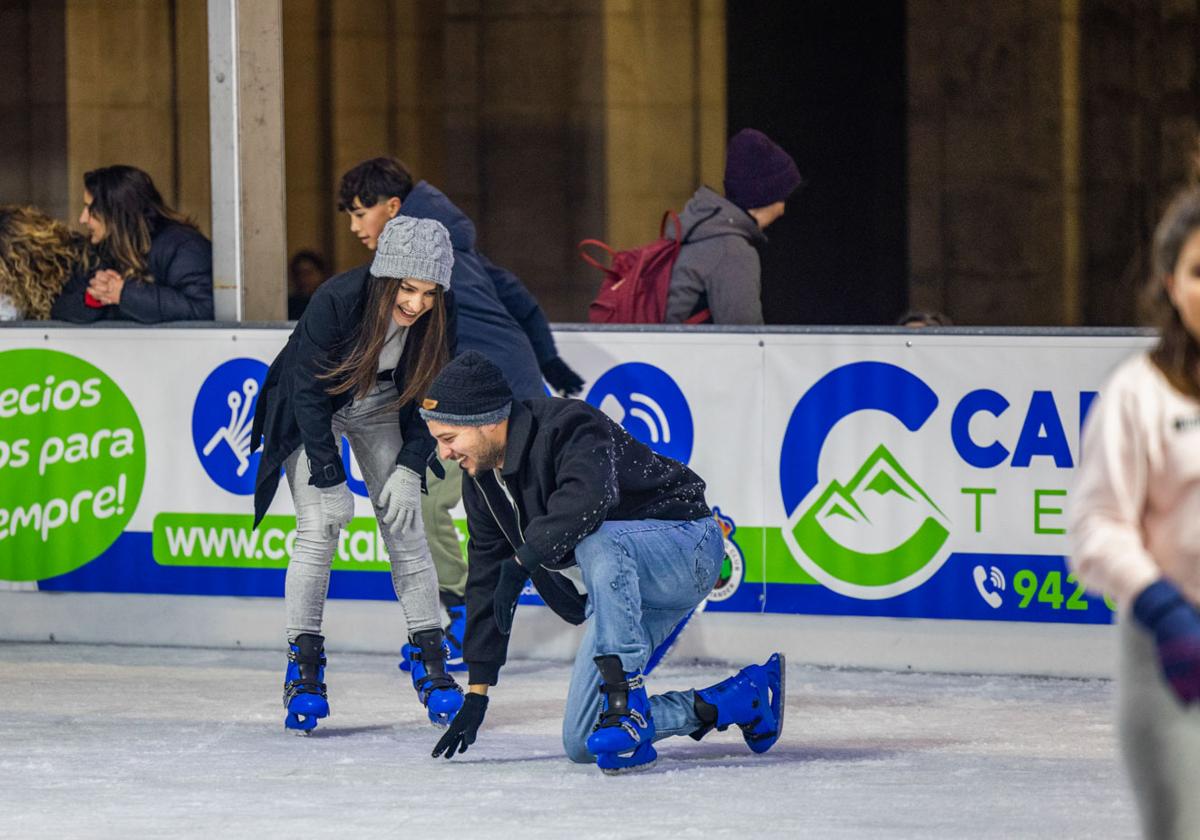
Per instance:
(1177,354)
(38,255)
(425,345)
(126,200)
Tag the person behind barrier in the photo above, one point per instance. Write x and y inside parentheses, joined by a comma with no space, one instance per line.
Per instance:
(920,318)
(155,265)
(718,268)
(1134,534)
(361,357)
(496,316)
(306,271)
(614,536)
(38,257)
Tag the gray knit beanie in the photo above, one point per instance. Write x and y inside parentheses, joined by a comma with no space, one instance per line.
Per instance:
(417,248)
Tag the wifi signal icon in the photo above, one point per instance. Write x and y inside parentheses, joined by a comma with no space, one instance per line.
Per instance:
(654,419)
(646,401)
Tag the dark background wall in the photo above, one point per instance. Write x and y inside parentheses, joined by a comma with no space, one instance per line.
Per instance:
(33,97)
(1002,162)
(826,80)
(1141,115)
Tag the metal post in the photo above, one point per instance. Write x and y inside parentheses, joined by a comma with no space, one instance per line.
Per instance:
(245,60)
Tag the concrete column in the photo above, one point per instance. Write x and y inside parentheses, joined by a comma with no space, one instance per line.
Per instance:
(987,186)
(665,126)
(246,116)
(119,91)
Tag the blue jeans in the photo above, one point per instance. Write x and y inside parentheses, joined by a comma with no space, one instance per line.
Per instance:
(642,578)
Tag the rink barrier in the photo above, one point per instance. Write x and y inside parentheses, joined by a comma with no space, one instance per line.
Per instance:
(889,497)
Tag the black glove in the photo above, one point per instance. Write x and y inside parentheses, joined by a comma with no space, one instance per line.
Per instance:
(508,589)
(465,726)
(562,378)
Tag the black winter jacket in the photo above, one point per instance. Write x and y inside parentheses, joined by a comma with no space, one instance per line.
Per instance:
(568,468)
(295,407)
(180,263)
(496,314)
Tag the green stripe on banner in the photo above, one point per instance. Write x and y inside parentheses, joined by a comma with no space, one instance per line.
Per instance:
(780,566)
(229,541)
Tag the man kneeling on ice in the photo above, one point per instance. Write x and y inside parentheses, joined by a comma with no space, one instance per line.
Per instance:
(614,536)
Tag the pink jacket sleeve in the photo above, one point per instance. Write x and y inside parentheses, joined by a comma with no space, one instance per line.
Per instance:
(1108,552)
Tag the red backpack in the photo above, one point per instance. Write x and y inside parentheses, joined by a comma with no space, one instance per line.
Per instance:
(634,290)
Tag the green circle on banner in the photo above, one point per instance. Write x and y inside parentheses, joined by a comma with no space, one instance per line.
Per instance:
(72,463)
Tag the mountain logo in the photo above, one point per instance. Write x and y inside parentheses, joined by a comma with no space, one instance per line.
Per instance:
(843,537)
(880,534)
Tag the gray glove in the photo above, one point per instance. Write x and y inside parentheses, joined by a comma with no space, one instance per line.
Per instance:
(399,504)
(337,509)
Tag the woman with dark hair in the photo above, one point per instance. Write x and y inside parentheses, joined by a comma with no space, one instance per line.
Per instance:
(357,364)
(155,265)
(38,257)
(1135,532)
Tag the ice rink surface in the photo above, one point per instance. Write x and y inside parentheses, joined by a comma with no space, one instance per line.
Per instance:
(169,742)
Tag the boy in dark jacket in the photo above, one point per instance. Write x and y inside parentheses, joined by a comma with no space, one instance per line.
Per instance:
(613,535)
(496,316)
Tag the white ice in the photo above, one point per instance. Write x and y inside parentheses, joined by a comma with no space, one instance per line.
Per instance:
(170,742)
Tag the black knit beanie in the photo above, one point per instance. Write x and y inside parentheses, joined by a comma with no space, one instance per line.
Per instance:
(758,172)
(470,391)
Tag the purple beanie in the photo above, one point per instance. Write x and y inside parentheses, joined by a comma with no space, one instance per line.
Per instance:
(757,171)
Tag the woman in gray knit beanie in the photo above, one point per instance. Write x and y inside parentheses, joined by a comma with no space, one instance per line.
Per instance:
(360,360)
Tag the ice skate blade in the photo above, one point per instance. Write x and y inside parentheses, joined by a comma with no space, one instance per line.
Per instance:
(626,771)
(764,742)
(642,757)
(300,724)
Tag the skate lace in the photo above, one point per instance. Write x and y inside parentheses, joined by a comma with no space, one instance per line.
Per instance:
(301,685)
(613,717)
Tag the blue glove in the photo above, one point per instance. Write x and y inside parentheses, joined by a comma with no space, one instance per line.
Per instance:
(508,589)
(1164,611)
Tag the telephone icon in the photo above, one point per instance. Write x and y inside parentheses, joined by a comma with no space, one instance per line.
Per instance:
(990,584)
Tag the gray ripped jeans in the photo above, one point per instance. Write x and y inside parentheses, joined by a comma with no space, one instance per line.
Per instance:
(372,426)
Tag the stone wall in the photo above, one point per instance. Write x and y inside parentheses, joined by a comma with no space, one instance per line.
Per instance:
(985,160)
(1044,140)
(33,127)
(1141,109)
(137,93)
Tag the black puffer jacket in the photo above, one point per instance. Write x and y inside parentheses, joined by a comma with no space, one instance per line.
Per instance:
(180,263)
(295,407)
(568,468)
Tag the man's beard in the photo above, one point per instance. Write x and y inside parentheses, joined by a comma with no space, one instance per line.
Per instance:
(489,458)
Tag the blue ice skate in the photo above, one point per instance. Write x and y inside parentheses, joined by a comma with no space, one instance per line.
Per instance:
(622,739)
(438,692)
(455,632)
(304,684)
(752,699)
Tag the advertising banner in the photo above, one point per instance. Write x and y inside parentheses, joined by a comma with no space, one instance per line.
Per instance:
(903,475)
